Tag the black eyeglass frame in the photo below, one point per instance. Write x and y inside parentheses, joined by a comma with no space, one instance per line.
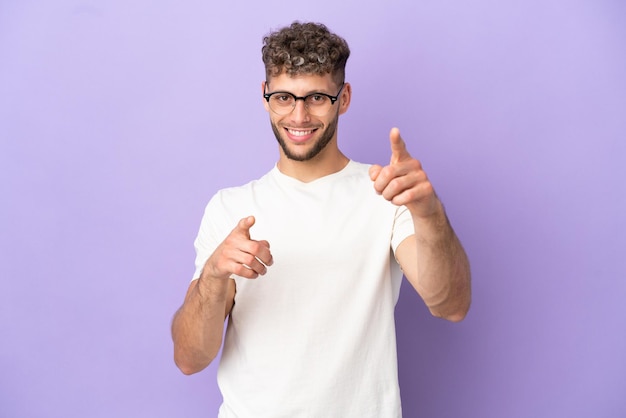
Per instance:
(333,99)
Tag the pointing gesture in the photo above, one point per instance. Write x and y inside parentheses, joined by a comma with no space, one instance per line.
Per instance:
(240,255)
(398,147)
(403,181)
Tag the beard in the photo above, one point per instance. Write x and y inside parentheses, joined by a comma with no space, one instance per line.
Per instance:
(318,146)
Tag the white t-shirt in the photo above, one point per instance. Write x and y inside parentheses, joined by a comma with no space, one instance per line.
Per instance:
(315,336)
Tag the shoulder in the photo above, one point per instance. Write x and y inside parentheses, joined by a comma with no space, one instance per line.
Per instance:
(356,167)
(227,194)
(356,174)
(354,171)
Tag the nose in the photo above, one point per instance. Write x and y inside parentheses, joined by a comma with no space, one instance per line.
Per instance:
(300,113)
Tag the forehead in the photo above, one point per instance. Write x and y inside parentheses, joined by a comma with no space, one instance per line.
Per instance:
(303,83)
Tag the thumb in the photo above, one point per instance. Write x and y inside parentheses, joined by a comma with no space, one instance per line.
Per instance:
(398,147)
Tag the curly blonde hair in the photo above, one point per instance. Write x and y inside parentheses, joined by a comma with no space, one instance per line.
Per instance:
(305,48)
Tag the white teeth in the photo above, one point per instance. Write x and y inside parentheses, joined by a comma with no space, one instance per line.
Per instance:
(299,133)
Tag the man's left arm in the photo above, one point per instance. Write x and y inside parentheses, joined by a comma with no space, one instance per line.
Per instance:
(433,259)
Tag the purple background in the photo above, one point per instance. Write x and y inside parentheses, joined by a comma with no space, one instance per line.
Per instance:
(119,120)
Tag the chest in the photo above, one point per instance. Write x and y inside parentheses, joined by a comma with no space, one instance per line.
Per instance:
(323,227)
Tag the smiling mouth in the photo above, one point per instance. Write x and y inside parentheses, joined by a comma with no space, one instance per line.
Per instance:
(300,133)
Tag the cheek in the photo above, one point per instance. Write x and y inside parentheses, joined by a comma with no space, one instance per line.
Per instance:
(275,119)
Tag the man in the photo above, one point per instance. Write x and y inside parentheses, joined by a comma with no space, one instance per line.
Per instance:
(325,237)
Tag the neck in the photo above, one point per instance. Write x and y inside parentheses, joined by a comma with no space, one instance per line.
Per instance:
(313,169)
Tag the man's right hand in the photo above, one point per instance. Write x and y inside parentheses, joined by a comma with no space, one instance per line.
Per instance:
(239,255)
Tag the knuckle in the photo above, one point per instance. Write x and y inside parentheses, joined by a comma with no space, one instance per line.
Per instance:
(410,196)
(248,259)
(240,270)
(395,184)
(230,240)
(387,194)
(255,247)
(386,171)
(428,188)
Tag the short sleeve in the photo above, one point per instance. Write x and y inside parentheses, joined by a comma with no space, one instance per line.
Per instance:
(402,227)
(210,234)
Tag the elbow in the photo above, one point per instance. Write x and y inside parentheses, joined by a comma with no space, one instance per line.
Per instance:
(188,371)
(189,366)
(456,317)
(456,305)
(453,313)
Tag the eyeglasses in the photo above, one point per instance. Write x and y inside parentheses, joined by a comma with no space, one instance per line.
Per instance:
(317,104)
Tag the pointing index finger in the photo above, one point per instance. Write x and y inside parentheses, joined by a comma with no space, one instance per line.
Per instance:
(245,224)
(398,147)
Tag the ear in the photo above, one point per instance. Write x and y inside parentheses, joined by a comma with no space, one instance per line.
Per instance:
(344,99)
(265,104)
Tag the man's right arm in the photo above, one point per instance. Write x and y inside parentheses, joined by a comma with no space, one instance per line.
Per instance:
(198,326)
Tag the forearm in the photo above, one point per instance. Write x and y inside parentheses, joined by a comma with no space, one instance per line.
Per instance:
(432,259)
(442,275)
(198,326)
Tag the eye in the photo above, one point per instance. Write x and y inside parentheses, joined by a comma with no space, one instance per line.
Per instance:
(282,98)
(317,99)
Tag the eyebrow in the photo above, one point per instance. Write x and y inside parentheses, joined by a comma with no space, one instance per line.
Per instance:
(305,94)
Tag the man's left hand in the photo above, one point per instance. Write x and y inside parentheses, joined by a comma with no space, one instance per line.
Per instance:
(403,181)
